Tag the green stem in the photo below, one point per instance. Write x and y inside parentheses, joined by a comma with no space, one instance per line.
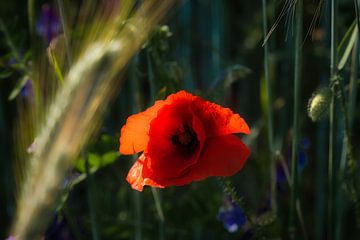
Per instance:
(136,106)
(332,124)
(296,116)
(31,15)
(72,223)
(269,111)
(156,194)
(354,74)
(65,32)
(357,15)
(351,164)
(90,192)
(138,215)
(348,159)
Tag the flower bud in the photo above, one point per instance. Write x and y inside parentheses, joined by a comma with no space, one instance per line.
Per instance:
(318,106)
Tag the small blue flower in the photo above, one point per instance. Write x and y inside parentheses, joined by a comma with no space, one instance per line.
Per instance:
(48,25)
(231,215)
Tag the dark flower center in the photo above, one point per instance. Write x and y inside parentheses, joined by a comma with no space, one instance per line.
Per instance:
(185,139)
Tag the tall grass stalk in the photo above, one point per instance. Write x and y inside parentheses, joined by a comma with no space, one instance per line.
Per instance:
(332,119)
(296,116)
(270,125)
(75,114)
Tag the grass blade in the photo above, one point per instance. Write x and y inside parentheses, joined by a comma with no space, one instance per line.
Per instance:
(296,117)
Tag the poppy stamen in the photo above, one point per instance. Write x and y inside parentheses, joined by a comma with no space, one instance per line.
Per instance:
(185,138)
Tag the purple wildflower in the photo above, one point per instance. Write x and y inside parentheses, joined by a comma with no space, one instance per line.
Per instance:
(231,215)
(48,25)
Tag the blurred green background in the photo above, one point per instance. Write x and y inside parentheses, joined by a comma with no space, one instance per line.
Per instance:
(212,48)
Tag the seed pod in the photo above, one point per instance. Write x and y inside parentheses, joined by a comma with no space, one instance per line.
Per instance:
(318,106)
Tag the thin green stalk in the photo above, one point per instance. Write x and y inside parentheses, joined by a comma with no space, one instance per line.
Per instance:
(298,205)
(72,223)
(357,14)
(64,29)
(134,88)
(351,164)
(354,70)
(321,163)
(31,15)
(90,194)
(296,116)
(269,111)
(353,82)
(155,192)
(332,123)
(216,10)
(151,76)
(157,200)
(138,214)
(347,154)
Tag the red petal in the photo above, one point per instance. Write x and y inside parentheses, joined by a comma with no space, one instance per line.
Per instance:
(221,156)
(135,178)
(219,120)
(134,134)
(168,160)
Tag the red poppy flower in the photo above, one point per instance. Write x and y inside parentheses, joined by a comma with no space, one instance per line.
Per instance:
(183,138)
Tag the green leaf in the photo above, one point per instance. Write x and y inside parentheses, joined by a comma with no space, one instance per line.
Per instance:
(346,36)
(109,158)
(94,161)
(54,63)
(5,74)
(79,165)
(348,49)
(21,83)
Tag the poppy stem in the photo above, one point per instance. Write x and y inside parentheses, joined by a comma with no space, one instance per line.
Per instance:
(90,194)
(137,197)
(296,125)
(155,193)
(269,111)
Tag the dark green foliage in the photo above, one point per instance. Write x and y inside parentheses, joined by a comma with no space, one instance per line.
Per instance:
(215,49)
